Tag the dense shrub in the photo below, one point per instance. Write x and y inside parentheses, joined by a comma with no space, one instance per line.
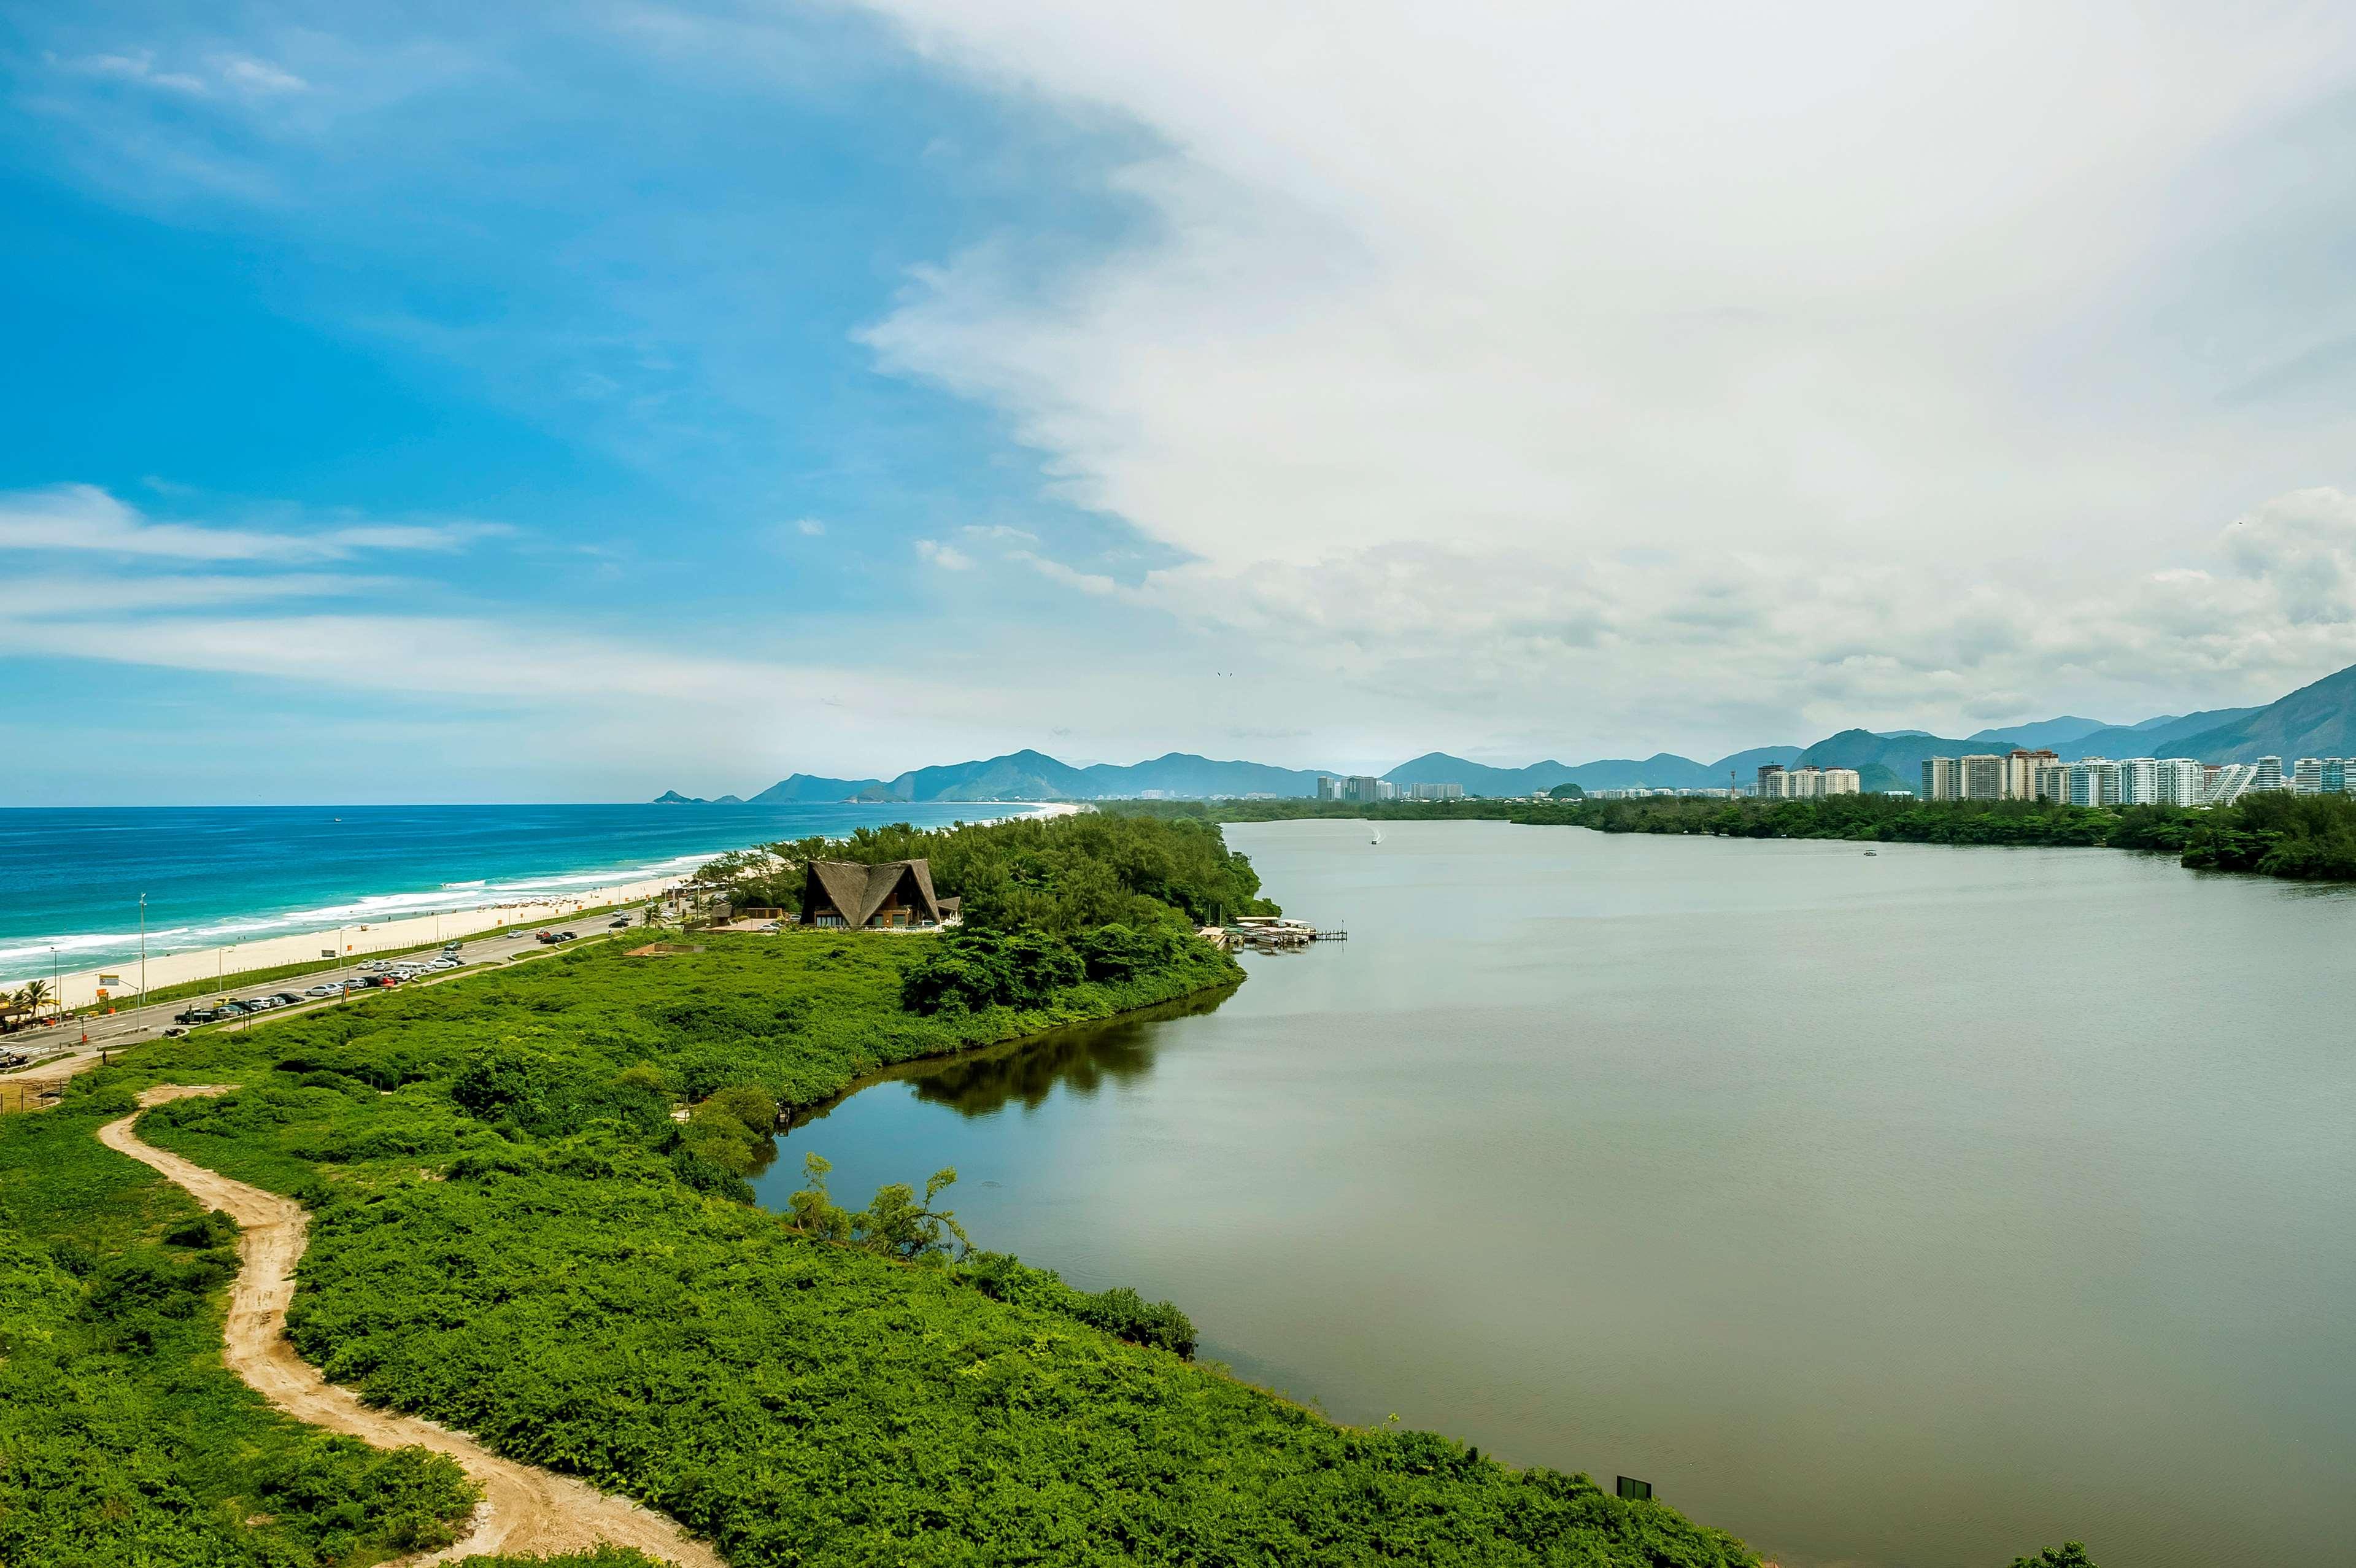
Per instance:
(1120,1311)
(1065,875)
(122,1439)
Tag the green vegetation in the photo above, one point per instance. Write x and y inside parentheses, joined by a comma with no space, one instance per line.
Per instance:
(512,1232)
(123,1438)
(1060,875)
(2306,837)
(2069,1554)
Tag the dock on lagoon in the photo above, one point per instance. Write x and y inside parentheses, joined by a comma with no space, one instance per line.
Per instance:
(1271,933)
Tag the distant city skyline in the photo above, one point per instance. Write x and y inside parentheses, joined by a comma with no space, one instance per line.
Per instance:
(571,404)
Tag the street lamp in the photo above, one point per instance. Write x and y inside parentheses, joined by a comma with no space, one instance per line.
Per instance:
(142,950)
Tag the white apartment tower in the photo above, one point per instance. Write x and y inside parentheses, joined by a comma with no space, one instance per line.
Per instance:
(2139,781)
(2095,781)
(2182,782)
(2230,783)
(2269,775)
(2307,776)
(1982,777)
(1941,781)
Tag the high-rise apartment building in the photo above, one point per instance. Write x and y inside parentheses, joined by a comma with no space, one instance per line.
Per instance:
(1941,781)
(2307,776)
(1842,781)
(2049,781)
(1328,788)
(1770,781)
(2139,781)
(2335,775)
(1981,777)
(1436,792)
(2269,775)
(2182,782)
(2093,782)
(2229,782)
(2021,766)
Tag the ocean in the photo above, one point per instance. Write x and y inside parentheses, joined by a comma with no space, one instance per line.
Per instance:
(71,880)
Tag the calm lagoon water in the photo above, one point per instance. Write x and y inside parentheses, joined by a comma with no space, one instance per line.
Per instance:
(1920,1209)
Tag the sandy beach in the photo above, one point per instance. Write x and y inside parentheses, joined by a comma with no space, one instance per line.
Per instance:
(119,981)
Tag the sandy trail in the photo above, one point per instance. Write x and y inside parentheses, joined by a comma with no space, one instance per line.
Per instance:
(524,1508)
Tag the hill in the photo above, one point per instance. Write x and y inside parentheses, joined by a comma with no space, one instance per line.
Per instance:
(2317,720)
(2044,731)
(2157,737)
(1884,762)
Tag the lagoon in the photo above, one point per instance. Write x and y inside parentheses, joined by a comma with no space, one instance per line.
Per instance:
(1912,1209)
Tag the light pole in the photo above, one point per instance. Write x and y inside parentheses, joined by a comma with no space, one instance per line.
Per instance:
(142,950)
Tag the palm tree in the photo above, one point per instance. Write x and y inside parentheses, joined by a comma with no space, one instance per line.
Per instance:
(36,995)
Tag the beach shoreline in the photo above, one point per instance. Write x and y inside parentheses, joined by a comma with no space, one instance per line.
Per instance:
(366,932)
(333,944)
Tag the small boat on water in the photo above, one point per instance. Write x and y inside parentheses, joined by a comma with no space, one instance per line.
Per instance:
(1378,835)
(1873,852)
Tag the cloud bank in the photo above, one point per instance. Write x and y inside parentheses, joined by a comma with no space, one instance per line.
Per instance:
(1863,363)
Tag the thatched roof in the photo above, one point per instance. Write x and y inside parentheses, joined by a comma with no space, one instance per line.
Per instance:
(857,890)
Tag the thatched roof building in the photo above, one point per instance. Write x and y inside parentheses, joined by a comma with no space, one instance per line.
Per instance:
(853,895)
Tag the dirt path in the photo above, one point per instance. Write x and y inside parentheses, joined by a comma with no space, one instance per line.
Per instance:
(524,1508)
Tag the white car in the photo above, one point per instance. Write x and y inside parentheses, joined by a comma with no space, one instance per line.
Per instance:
(323,991)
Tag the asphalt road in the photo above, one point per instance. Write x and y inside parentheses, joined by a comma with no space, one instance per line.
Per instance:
(85,1038)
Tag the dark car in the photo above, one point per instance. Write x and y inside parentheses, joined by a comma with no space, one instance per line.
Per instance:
(290,998)
(233,1010)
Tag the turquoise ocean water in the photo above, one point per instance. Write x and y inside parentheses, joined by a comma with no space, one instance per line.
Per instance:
(71,880)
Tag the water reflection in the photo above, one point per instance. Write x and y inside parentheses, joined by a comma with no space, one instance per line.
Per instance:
(1081,1058)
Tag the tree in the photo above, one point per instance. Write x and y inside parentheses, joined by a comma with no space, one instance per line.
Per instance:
(2069,1554)
(895,1224)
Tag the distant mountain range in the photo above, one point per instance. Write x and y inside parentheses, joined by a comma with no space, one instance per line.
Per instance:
(2318,720)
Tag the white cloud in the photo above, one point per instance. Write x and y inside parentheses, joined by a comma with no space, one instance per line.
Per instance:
(63,598)
(1735,367)
(947,557)
(809,528)
(138,68)
(259,77)
(68,517)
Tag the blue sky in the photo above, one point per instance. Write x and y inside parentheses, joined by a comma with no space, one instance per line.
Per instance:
(569,401)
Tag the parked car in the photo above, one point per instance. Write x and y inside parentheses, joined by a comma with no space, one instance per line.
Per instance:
(291,998)
(230,1010)
(322,991)
(567,936)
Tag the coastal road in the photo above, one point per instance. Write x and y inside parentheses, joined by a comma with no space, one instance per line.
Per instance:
(84,1039)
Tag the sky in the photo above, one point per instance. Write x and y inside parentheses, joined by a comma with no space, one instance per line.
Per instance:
(443,402)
